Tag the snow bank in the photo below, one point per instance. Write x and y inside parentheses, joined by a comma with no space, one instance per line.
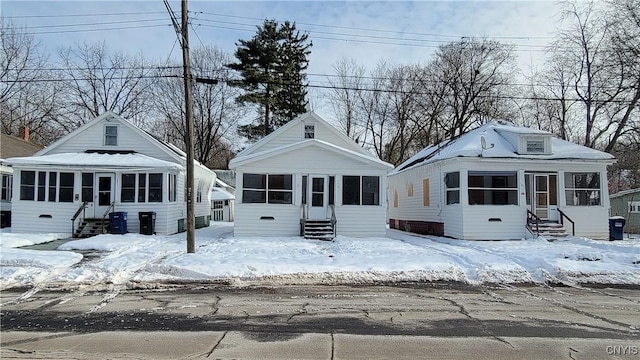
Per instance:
(400,257)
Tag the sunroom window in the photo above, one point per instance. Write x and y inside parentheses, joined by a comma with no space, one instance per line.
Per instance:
(582,189)
(493,188)
(267,188)
(452,183)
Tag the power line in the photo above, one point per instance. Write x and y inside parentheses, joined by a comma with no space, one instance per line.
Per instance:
(92,30)
(86,24)
(380,30)
(83,15)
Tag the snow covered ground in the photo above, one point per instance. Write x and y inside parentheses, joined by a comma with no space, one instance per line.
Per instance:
(143,259)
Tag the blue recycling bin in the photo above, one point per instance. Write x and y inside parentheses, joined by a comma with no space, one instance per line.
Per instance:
(616,228)
(118,222)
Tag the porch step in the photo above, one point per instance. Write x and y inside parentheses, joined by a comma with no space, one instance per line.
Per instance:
(91,227)
(550,230)
(318,230)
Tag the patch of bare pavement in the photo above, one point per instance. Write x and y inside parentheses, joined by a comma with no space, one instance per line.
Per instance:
(433,320)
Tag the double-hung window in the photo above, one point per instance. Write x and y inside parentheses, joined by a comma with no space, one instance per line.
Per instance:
(493,188)
(582,189)
(128,191)
(452,184)
(111,135)
(155,187)
(7,183)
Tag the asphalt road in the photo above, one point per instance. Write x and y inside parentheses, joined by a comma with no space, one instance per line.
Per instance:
(440,321)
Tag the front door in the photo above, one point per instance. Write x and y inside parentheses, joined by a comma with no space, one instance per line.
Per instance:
(318,196)
(542,195)
(104,194)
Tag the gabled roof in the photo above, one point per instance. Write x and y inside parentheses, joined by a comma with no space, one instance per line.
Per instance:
(167,148)
(368,159)
(470,145)
(12,146)
(301,118)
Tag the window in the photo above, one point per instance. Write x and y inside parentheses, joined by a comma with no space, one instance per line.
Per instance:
(7,183)
(332,190)
(53,182)
(535,146)
(142,188)
(198,190)
(425,192)
(582,189)
(361,190)
(111,135)
(42,186)
(271,188)
(173,191)
(280,189)
(304,189)
(452,184)
(493,188)
(87,187)
(155,187)
(128,190)
(309,131)
(27,185)
(65,192)
(634,206)
(217,204)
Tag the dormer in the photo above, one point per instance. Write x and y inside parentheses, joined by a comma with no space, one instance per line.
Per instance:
(534,144)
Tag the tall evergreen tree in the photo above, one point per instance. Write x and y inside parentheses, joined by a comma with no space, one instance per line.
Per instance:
(271,66)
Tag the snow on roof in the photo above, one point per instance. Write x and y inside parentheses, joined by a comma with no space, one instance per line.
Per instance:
(309,142)
(625,192)
(469,145)
(95,160)
(219,193)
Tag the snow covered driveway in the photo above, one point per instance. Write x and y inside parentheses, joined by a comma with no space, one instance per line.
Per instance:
(398,257)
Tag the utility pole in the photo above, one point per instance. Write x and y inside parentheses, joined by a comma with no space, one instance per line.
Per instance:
(183,37)
(188,101)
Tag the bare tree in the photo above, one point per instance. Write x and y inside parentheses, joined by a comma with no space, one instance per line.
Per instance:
(345,86)
(215,112)
(475,74)
(97,81)
(28,92)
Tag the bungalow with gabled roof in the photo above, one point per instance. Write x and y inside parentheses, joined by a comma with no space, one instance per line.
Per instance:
(306,178)
(106,166)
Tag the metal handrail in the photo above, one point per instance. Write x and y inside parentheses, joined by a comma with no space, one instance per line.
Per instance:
(334,220)
(573,224)
(531,215)
(81,209)
(106,213)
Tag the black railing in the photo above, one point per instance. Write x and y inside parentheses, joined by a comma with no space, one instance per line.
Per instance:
(530,217)
(81,209)
(334,220)
(564,216)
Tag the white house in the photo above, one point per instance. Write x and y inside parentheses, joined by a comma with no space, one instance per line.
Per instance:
(502,182)
(307,178)
(222,201)
(11,146)
(108,165)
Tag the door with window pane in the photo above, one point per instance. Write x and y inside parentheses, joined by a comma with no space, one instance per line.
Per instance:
(542,195)
(104,193)
(318,196)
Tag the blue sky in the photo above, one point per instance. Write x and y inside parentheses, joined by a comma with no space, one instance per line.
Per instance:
(398,32)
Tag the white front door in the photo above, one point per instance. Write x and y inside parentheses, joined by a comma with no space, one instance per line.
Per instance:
(318,196)
(542,190)
(104,193)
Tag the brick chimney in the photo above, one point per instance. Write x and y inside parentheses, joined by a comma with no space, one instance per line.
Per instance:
(24,132)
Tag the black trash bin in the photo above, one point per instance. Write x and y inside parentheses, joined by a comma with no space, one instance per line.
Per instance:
(616,228)
(147,222)
(118,222)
